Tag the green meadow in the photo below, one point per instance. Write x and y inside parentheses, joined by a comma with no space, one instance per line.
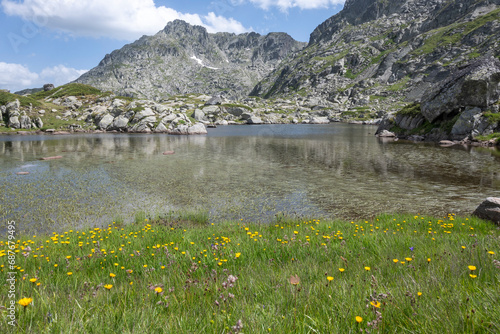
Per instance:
(389,274)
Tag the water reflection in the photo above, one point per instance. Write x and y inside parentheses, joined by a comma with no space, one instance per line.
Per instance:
(237,172)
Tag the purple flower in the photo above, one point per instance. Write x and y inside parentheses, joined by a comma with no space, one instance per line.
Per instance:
(411,248)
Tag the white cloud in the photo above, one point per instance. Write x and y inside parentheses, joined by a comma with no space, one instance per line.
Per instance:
(121,19)
(284,5)
(16,77)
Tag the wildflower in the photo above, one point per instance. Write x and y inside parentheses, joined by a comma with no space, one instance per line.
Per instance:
(329,278)
(131,283)
(32,280)
(411,248)
(108,286)
(395,260)
(25,301)
(358,319)
(145,266)
(158,290)
(472,268)
(129,271)
(367,268)
(112,275)
(296,232)
(341,270)
(428,259)
(419,293)
(237,255)
(70,273)
(408,259)
(294,280)
(473,276)
(491,252)
(375,303)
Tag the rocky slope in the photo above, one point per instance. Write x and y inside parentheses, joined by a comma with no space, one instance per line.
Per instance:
(379,53)
(185,59)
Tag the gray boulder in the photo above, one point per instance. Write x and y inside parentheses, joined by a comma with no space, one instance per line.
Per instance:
(105,122)
(215,100)
(119,123)
(199,115)
(14,122)
(25,122)
(489,210)
(254,120)
(48,87)
(197,129)
(161,128)
(466,122)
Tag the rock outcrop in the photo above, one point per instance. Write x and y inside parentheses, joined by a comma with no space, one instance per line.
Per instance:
(489,209)
(462,107)
(184,59)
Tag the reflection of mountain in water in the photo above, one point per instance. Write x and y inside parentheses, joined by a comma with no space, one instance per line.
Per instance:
(249,172)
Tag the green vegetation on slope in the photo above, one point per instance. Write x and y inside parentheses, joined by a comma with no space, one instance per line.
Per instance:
(71,89)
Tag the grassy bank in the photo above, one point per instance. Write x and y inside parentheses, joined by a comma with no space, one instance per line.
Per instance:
(390,275)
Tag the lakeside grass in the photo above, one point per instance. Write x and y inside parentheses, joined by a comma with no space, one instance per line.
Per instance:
(393,274)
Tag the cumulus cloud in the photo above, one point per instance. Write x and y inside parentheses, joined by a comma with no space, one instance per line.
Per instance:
(284,5)
(16,77)
(120,19)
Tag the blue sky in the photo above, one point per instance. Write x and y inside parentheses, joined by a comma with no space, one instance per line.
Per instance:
(55,41)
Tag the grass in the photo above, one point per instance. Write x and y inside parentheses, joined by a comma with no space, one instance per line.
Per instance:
(23,100)
(412,109)
(398,273)
(71,89)
(489,137)
(493,118)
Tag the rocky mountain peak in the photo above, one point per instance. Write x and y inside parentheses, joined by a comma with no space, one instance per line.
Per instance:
(182,58)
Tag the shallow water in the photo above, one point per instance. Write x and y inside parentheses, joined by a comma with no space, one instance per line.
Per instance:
(238,172)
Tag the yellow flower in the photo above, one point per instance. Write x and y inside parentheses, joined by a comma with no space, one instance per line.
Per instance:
(131,283)
(329,278)
(367,268)
(32,280)
(491,252)
(296,232)
(472,268)
(237,255)
(408,259)
(395,260)
(25,301)
(419,293)
(68,257)
(55,265)
(358,319)
(158,290)
(112,275)
(473,276)
(375,303)
(108,286)
(341,270)
(145,266)
(70,273)
(428,259)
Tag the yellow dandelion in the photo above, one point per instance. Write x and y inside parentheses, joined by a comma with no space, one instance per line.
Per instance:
(341,270)
(395,260)
(237,255)
(25,301)
(112,275)
(158,290)
(491,252)
(419,293)
(473,276)
(145,266)
(70,273)
(108,286)
(472,268)
(33,280)
(408,259)
(367,268)
(358,319)
(375,303)
(329,278)
(428,259)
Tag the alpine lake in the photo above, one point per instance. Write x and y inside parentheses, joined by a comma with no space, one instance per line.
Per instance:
(250,173)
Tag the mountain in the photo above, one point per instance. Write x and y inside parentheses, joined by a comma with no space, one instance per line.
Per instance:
(379,53)
(183,59)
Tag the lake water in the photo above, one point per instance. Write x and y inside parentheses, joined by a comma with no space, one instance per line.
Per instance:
(238,172)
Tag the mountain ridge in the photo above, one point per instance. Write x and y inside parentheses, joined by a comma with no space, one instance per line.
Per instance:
(182,59)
